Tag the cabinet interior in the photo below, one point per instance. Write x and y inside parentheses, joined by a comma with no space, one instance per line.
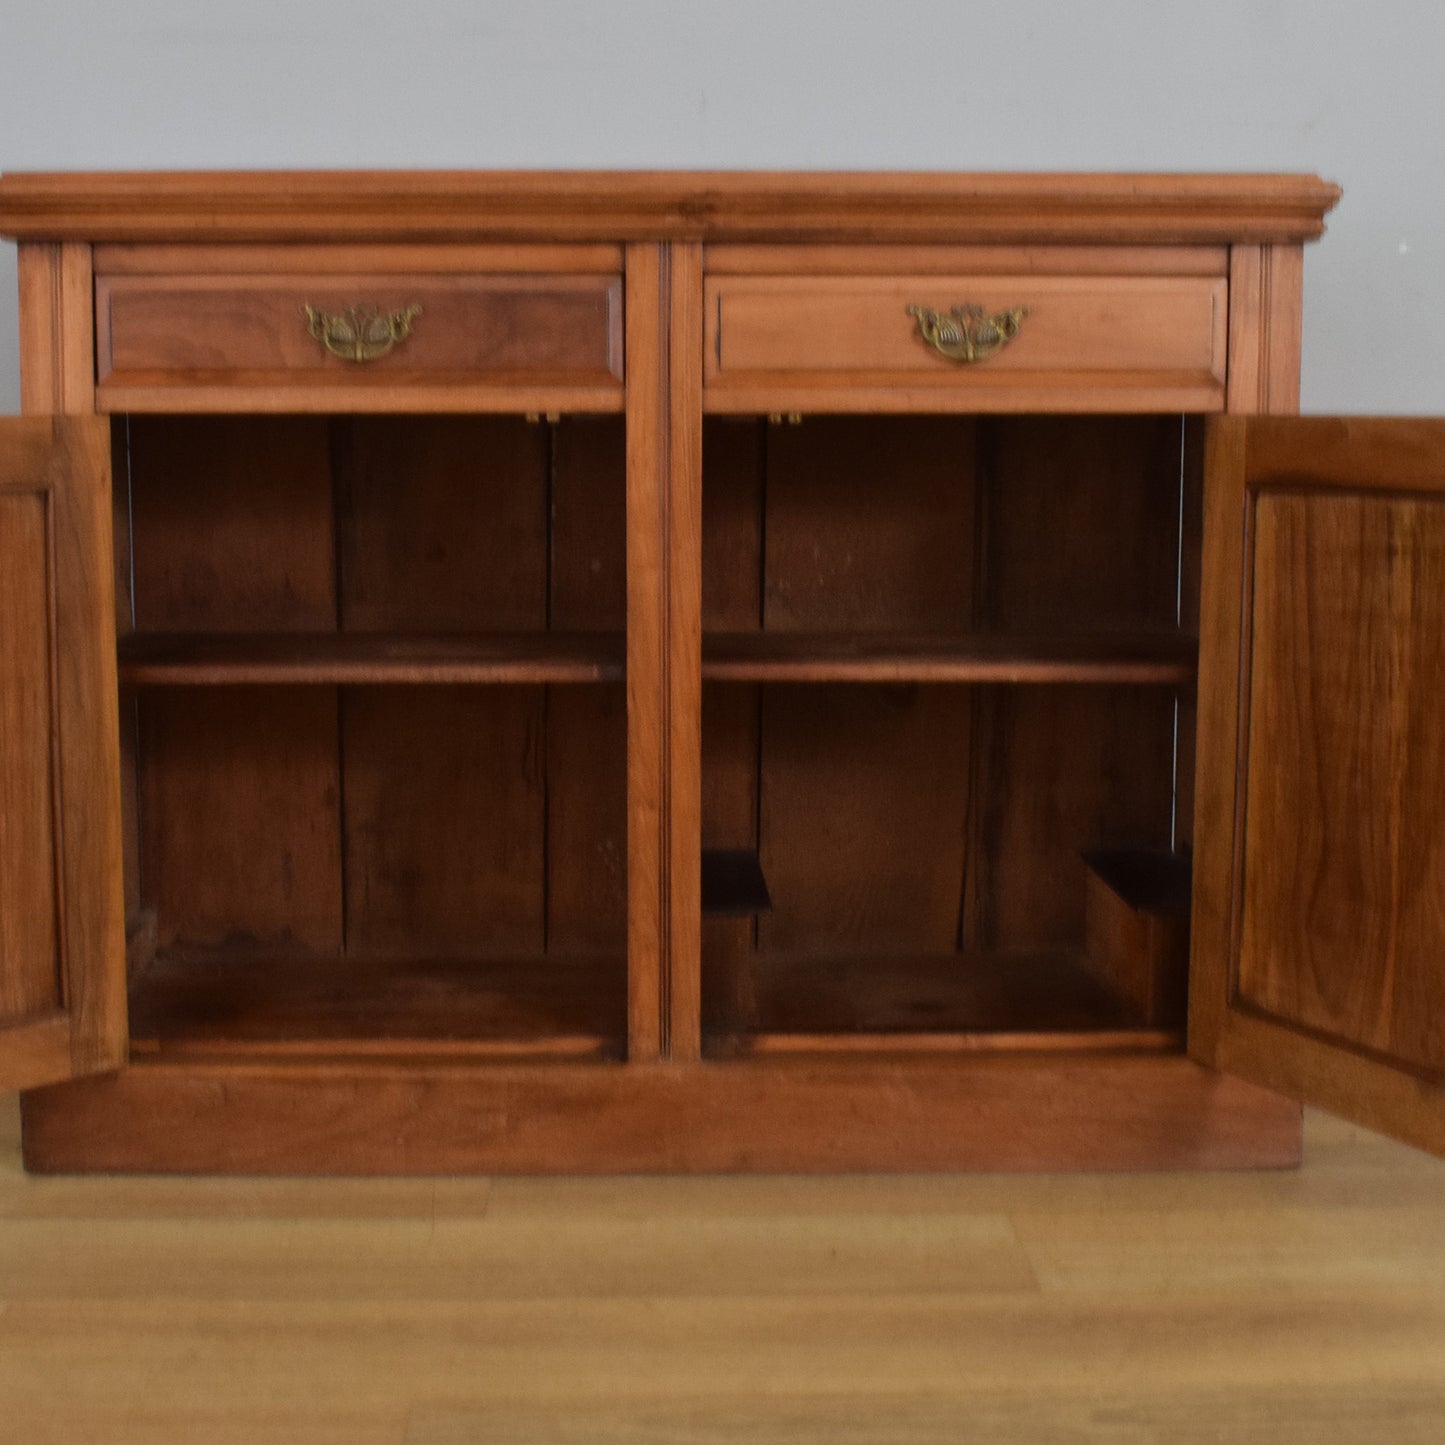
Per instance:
(375,729)
(955,726)
(374,732)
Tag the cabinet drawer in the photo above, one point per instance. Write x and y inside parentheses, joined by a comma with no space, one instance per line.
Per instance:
(854,343)
(359,341)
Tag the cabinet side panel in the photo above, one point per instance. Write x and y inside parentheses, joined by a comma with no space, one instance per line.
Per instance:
(29,942)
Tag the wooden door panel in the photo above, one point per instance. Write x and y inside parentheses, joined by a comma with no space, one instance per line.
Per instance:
(1319,963)
(62,945)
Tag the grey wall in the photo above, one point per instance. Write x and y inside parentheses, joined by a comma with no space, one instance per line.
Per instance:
(1349,90)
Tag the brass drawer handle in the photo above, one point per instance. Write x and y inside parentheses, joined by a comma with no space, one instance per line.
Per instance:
(360,333)
(968,332)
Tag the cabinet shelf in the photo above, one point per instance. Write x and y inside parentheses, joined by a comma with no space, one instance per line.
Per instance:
(981,657)
(971,1002)
(567,1008)
(205,659)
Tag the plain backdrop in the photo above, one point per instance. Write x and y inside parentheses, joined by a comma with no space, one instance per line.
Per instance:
(1350,90)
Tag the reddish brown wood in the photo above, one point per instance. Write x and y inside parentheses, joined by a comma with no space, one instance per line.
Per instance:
(1055,392)
(1346,668)
(377,258)
(971,260)
(212,659)
(648,884)
(253,394)
(586,729)
(653,205)
(232,526)
(863,812)
(1166,658)
(57,368)
(36,1050)
(1085,1111)
(732,500)
(1082,523)
(796,333)
(869,525)
(344,830)
(1136,930)
(825,995)
(240,817)
(444,821)
(62,938)
(443,523)
(1317,955)
(1059,771)
(587,820)
(684,654)
(588,537)
(207,331)
(215,1004)
(30,941)
(1265,284)
(1090,1039)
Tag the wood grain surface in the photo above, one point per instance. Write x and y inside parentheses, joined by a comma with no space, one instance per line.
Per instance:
(62,928)
(653,205)
(1319,886)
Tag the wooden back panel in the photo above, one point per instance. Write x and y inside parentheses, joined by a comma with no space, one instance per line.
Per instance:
(374,821)
(925,818)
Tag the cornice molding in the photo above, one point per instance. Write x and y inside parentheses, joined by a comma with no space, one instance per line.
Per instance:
(662,205)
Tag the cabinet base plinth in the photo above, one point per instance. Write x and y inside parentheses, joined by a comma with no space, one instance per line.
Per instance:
(1128,1112)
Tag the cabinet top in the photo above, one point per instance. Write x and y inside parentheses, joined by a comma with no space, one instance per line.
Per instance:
(662,205)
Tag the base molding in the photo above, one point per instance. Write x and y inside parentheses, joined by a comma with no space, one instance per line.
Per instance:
(1106,1112)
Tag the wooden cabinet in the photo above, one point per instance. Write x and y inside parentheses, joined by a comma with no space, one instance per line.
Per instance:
(698,672)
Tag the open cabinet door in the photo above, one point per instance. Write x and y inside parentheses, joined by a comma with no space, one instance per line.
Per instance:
(1319,919)
(62,929)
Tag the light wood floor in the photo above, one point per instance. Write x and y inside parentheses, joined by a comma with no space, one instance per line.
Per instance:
(1300,1307)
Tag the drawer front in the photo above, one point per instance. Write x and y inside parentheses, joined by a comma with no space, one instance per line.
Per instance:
(553,339)
(1068,342)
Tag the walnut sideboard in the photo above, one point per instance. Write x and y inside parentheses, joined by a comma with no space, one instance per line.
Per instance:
(635,672)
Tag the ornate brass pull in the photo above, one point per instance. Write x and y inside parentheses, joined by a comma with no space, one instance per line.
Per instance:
(360,333)
(968,332)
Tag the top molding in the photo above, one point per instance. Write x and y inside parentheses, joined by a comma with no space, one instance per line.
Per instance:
(661,205)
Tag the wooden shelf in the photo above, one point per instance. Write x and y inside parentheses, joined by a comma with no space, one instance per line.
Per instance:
(1162,658)
(974,1002)
(214,1003)
(205,659)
